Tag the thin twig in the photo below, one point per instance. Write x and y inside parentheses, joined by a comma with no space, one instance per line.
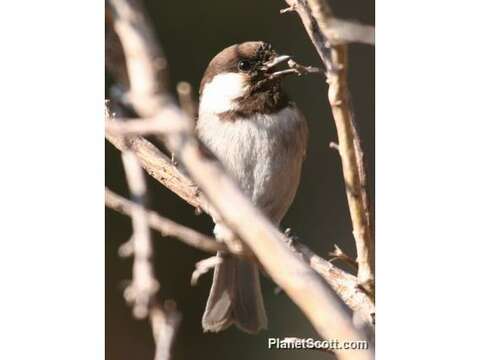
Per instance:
(302,69)
(297,69)
(127,127)
(338,254)
(165,226)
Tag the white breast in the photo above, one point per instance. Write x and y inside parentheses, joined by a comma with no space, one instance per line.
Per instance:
(263,153)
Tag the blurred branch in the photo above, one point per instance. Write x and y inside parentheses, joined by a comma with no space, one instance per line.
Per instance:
(309,291)
(188,102)
(140,127)
(130,23)
(165,322)
(317,18)
(114,55)
(144,286)
(164,226)
(344,31)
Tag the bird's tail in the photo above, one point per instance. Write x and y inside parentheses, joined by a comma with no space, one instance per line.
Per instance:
(235,298)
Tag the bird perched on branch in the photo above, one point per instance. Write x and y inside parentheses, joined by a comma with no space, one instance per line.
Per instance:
(260,136)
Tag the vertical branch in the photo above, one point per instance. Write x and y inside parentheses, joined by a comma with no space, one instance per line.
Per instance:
(187,100)
(150,81)
(165,323)
(143,286)
(351,156)
(319,23)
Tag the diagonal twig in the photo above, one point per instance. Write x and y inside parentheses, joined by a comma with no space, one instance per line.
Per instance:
(165,226)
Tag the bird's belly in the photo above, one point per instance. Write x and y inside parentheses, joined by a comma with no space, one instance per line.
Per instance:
(263,155)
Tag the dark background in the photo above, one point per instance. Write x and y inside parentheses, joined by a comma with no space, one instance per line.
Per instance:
(191,34)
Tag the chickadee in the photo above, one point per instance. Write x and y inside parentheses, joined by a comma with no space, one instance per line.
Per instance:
(260,136)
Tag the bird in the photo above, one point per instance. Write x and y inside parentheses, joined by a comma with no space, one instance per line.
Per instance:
(260,136)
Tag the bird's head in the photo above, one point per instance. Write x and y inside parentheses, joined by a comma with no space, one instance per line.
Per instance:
(242,74)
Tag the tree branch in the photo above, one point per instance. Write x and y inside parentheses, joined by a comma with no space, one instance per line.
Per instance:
(126,127)
(316,17)
(344,284)
(338,31)
(188,102)
(165,322)
(144,286)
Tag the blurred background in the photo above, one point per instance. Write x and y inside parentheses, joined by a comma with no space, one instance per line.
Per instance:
(191,33)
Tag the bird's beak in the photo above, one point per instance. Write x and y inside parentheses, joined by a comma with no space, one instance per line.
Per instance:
(279,59)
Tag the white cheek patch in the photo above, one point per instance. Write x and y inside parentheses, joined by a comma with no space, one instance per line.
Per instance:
(219,94)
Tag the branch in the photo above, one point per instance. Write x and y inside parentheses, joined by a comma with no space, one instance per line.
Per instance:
(144,286)
(338,31)
(164,226)
(344,284)
(159,166)
(316,17)
(343,31)
(309,291)
(187,100)
(126,127)
(165,322)
(150,81)
(338,254)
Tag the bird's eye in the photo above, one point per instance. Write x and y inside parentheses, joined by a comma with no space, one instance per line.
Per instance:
(244,65)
